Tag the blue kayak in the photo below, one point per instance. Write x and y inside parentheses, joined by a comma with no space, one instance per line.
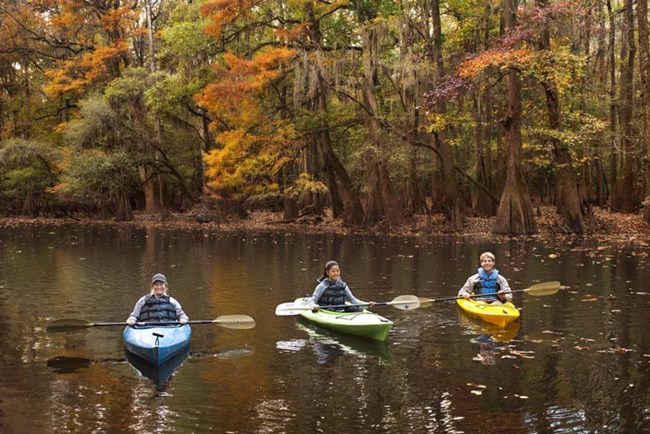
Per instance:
(157,344)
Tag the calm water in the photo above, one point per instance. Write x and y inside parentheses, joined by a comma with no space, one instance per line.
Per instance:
(578,361)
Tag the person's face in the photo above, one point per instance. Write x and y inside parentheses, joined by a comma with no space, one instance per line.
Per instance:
(158,288)
(334,272)
(487,263)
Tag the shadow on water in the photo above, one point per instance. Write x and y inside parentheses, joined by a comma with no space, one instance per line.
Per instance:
(68,365)
(228,353)
(329,345)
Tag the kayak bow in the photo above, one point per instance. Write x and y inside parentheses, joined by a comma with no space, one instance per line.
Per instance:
(155,344)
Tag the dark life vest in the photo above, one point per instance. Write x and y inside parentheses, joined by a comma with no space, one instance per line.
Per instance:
(333,295)
(487,283)
(157,309)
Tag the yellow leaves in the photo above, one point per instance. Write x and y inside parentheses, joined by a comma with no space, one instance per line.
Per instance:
(247,160)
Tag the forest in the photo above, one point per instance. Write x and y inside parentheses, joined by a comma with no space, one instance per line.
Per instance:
(374,110)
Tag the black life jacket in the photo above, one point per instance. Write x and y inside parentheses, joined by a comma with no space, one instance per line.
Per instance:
(333,295)
(157,309)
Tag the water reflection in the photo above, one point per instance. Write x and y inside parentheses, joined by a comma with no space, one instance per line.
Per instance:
(489,337)
(158,374)
(328,345)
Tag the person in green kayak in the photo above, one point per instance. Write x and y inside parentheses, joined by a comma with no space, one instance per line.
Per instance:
(157,306)
(487,281)
(332,291)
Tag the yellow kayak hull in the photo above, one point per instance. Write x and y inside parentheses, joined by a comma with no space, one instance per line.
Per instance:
(501,315)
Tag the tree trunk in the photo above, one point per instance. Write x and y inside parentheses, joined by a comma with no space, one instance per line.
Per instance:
(124,210)
(613,106)
(452,203)
(381,201)
(625,194)
(352,208)
(515,213)
(568,200)
(644,64)
(29,204)
(482,204)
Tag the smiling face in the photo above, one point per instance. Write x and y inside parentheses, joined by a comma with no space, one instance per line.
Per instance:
(333,273)
(158,288)
(487,263)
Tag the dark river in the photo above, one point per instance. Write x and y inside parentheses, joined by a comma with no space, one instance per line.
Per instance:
(577,361)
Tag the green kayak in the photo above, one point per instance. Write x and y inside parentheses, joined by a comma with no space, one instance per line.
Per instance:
(365,323)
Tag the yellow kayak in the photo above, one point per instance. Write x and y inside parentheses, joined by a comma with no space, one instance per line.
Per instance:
(501,315)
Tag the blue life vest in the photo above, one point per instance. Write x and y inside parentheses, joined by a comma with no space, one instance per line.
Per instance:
(157,309)
(333,295)
(487,283)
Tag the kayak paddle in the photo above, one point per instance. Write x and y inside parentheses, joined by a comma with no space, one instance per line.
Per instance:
(402,302)
(538,290)
(227,321)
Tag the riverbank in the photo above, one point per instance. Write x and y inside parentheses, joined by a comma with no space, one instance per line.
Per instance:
(604,224)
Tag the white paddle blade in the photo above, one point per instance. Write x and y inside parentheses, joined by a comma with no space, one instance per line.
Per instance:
(290,309)
(405,302)
(236,321)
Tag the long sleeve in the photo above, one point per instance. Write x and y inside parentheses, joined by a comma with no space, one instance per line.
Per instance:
(351,298)
(505,287)
(180,315)
(318,291)
(468,287)
(136,309)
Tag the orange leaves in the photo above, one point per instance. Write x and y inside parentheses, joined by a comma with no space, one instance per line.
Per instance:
(239,84)
(77,74)
(497,58)
(223,12)
(255,143)
(115,18)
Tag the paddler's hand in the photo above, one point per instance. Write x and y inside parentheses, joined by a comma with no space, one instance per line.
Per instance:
(130,322)
(371,303)
(467,296)
(315,308)
(183,321)
(502,296)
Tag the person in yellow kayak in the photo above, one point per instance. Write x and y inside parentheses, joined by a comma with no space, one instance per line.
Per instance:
(332,291)
(487,281)
(157,306)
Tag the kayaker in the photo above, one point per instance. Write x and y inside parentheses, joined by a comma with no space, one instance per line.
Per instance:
(332,291)
(157,305)
(487,281)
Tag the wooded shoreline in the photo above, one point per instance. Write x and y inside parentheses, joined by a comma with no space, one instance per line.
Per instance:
(603,225)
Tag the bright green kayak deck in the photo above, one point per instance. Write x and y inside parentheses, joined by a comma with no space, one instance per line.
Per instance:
(365,323)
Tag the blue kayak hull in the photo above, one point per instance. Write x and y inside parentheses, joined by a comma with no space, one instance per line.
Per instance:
(157,345)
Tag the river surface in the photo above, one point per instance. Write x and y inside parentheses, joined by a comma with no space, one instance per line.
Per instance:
(577,361)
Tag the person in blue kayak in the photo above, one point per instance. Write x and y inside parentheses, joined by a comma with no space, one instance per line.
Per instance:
(487,281)
(332,291)
(157,306)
